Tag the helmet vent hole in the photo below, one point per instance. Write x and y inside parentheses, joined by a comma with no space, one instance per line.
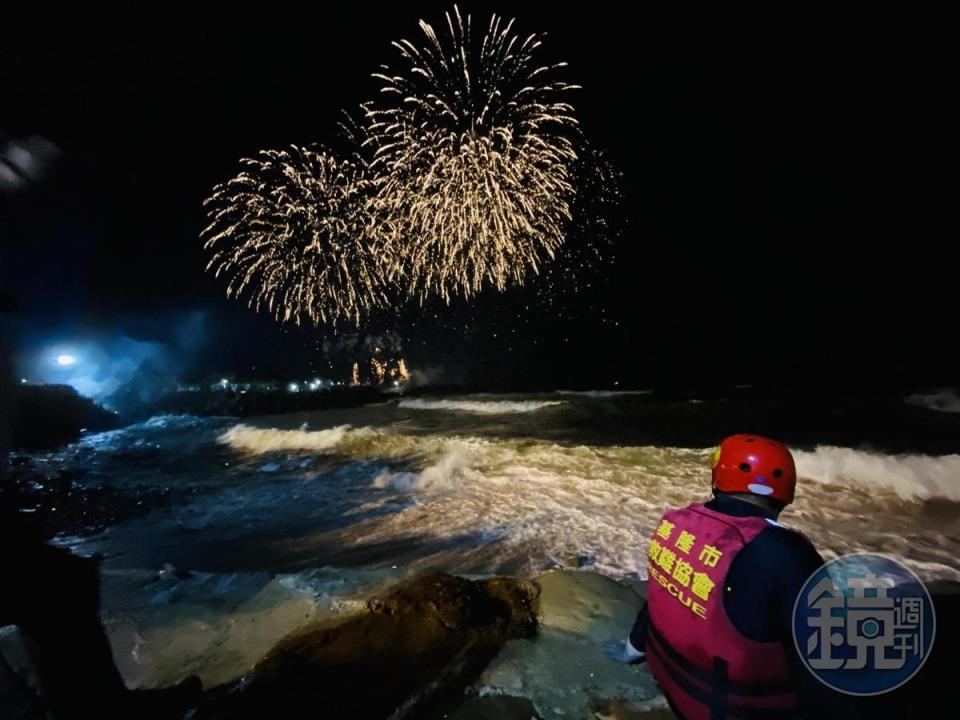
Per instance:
(750,439)
(745,467)
(777,473)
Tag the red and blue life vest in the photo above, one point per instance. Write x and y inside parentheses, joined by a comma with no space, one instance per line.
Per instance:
(706,667)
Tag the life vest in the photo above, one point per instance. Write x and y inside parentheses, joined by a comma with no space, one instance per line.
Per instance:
(706,667)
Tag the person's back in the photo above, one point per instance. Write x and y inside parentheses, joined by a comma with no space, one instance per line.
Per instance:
(721,587)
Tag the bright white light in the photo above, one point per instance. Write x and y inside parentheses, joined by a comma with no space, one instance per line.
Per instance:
(293,387)
(65,360)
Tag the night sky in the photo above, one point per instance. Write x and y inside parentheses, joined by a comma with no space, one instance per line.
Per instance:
(786,211)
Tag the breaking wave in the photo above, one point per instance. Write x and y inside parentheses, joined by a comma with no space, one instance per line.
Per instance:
(480,407)
(536,504)
(945,400)
(911,477)
(257,441)
(443,475)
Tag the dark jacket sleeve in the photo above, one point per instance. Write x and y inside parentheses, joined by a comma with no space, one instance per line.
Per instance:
(791,576)
(815,699)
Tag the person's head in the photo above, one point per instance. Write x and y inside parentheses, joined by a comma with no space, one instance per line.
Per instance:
(755,469)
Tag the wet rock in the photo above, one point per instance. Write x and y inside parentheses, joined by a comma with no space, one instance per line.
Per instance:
(562,670)
(19,699)
(622,710)
(501,707)
(48,416)
(49,500)
(412,653)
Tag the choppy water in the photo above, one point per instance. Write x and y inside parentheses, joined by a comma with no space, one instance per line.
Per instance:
(292,517)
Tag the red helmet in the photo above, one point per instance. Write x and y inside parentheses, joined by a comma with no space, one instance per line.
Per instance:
(754,464)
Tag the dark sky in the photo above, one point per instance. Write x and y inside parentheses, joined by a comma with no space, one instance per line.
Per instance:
(788,189)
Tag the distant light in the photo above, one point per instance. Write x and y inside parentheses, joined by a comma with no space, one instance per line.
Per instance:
(293,387)
(23,381)
(224,382)
(65,360)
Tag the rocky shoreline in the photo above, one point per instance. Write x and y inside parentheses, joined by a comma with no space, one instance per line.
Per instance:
(54,500)
(411,653)
(438,645)
(433,646)
(48,416)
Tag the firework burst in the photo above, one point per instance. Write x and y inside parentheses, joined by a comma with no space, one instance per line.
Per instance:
(293,235)
(471,147)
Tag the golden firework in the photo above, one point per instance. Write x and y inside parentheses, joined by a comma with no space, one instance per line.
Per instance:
(293,234)
(462,180)
(471,145)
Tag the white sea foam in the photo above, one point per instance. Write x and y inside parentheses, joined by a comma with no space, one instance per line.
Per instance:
(945,400)
(265,440)
(912,477)
(533,504)
(479,407)
(445,474)
(523,505)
